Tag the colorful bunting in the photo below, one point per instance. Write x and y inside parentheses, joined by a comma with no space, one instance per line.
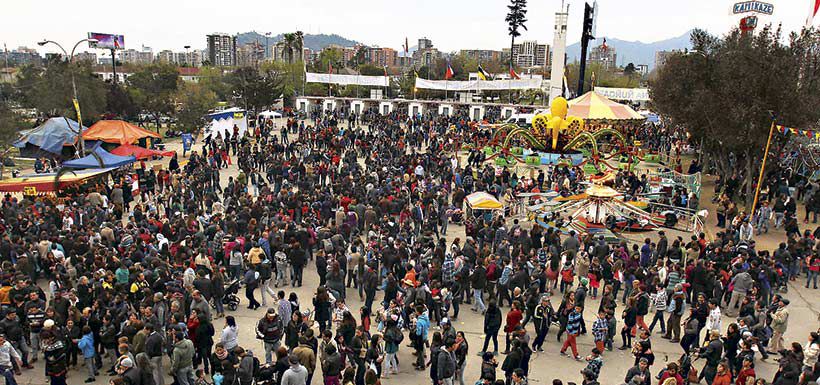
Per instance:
(796,131)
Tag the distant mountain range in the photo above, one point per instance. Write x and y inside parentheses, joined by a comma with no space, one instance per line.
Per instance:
(314,42)
(634,52)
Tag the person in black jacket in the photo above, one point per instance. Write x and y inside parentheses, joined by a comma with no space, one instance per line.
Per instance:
(478,280)
(204,342)
(224,363)
(513,360)
(492,324)
(153,349)
(542,317)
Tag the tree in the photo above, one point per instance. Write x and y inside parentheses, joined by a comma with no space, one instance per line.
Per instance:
(728,92)
(153,88)
(49,89)
(10,123)
(120,103)
(194,102)
(516,19)
(629,69)
(214,80)
(257,89)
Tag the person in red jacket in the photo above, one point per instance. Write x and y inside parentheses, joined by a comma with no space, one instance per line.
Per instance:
(747,372)
(514,318)
(671,372)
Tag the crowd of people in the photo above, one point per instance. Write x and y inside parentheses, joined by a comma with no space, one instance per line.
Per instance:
(139,276)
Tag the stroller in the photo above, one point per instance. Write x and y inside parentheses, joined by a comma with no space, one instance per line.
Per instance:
(230,299)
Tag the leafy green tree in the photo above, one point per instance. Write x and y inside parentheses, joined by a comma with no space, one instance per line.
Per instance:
(195,100)
(629,69)
(257,89)
(49,89)
(214,80)
(153,88)
(516,19)
(120,103)
(729,90)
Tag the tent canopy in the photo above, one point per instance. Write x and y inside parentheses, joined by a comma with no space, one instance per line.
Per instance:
(139,152)
(117,131)
(221,123)
(594,106)
(44,183)
(51,136)
(483,201)
(108,160)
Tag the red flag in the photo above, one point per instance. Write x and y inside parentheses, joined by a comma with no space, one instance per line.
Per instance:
(816,8)
(513,74)
(329,67)
(407,43)
(449,73)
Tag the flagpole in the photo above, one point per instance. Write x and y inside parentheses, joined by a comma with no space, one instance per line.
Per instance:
(762,167)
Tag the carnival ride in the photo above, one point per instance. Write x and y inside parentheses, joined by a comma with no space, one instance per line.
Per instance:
(561,136)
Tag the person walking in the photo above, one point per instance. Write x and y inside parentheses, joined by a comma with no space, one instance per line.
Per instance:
(676,307)
(153,349)
(86,346)
(542,318)
(331,365)
(8,358)
(251,281)
(573,330)
(269,330)
(182,360)
(492,324)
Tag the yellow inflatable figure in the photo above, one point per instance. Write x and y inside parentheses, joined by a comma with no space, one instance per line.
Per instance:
(556,121)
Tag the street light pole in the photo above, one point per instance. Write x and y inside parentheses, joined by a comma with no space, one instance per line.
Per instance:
(188,59)
(76,101)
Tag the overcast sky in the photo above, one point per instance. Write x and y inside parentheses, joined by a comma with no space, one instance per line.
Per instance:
(451,24)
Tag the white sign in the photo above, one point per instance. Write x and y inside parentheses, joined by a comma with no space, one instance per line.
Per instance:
(753,6)
(631,94)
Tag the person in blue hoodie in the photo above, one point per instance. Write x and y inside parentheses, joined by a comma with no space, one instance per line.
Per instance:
(86,345)
(422,326)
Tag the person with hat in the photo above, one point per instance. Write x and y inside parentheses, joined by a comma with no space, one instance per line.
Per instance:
(542,318)
(129,374)
(269,330)
(779,324)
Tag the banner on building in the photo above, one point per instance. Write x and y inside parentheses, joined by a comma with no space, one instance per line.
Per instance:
(630,94)
(478,85)
(106,41)
(345,80)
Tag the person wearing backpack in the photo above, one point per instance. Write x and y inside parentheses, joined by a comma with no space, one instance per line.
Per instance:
(251,281)
(265,269)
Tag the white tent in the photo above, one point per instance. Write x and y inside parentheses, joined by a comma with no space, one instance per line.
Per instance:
(270,114)
(221,123)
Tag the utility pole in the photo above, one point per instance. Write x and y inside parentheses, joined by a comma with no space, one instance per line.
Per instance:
(588,32)
(114,64)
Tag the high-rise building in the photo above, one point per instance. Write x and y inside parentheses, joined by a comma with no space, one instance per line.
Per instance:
(482,55)
(90,57)
(250,54)
(132,56)
(221,49)
(21,56)
(530,54)
(604,55)
(381,57)
(424,43)
(662,56)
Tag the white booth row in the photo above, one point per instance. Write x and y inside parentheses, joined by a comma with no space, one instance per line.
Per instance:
(476,111)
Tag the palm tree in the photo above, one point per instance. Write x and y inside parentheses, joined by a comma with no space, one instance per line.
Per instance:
(516,18)
(289,41)
(299,44)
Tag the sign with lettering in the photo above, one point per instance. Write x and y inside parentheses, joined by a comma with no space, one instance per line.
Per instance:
(631,94)
(753,6)
(30,190)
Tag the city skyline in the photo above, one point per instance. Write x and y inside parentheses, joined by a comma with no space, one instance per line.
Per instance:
(452,25)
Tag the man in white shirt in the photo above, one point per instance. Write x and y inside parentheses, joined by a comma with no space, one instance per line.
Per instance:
(7,353)
(713,321)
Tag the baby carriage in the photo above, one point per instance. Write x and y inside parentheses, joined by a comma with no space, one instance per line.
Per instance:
(230,299)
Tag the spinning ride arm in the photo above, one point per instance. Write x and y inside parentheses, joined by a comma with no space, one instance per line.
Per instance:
(525,134)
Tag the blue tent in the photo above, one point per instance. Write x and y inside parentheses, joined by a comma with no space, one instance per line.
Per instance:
(50,136)
(108,160)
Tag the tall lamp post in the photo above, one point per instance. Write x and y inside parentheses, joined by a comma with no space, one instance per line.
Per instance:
(189,61)
(75,100)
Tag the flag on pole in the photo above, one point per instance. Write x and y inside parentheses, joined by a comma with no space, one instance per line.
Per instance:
(329,67)
(406,45)
(483,75)
(385,70)
(815,7)
(513,74)
(448,74)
